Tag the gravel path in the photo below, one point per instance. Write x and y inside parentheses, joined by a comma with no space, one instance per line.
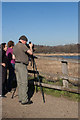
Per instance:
(0,108)
(52,108)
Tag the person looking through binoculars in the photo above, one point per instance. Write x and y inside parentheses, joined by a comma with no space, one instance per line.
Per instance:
(21,52)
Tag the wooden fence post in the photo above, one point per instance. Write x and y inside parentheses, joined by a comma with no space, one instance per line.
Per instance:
(65,73)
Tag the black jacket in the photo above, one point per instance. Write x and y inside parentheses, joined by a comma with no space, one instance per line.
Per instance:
(4,58)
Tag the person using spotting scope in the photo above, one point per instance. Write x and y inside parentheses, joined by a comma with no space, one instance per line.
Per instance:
(21,62)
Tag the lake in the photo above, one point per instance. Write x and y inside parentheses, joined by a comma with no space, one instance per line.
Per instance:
(65,57)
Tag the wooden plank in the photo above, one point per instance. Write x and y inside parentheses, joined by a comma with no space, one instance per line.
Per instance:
(65,72)
(74,79)
(57,87)
(33,71)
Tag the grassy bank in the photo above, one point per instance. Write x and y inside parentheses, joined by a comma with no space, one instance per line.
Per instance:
(65,94)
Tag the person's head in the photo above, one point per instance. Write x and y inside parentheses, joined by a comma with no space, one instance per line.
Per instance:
(4,46)
(10,44)
(23,39)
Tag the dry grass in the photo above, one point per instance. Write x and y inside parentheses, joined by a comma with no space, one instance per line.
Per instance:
(47,66)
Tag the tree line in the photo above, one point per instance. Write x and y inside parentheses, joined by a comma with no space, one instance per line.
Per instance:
(70,48)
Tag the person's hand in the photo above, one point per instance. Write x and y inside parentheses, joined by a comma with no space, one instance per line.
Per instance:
(3,64)
(30,45)
(13,56)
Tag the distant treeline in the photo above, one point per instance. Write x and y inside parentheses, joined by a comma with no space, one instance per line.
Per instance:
(70,48)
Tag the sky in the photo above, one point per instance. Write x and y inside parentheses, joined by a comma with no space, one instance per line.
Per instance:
(44,23)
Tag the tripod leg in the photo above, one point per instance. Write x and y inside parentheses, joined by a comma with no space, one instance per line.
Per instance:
(36,88)
(42,93)
(39,83)
(35,84)
(13,93)
(41,88)
(34,78)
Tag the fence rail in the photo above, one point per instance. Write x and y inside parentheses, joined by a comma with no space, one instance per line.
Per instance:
(65,77)
(58,87)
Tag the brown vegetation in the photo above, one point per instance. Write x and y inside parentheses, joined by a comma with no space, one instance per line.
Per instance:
(71,48)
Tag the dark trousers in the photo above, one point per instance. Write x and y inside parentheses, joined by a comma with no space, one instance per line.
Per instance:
(3,80)
(0,80)
(12,77)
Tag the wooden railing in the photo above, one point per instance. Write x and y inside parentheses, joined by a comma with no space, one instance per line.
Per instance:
(65,78)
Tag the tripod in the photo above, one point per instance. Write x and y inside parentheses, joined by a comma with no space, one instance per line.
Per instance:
(34,72)
(35,69)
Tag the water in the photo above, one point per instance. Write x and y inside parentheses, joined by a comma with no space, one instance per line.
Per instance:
(66,57)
